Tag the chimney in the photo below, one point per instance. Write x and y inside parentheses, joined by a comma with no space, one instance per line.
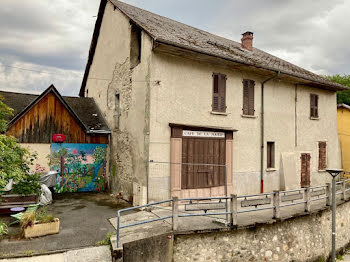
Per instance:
(247,41)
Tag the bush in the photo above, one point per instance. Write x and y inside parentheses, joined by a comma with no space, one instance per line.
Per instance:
(27,185)
(14,159)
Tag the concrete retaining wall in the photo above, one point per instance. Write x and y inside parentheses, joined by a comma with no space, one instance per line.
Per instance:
(305,238)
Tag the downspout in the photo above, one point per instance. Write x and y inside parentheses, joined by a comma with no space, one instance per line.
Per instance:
(109,181)
(262,132)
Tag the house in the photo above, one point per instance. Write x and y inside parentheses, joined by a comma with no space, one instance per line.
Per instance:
(38,118)
(344,134)
(176,97)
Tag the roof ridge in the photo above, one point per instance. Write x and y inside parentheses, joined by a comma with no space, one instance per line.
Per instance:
(173,20)
(168,31)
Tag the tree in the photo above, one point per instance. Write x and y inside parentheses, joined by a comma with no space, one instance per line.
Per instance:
(14,159)
(5,113)
(343,97)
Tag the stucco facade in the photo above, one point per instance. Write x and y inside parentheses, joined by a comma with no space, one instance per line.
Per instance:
(287,121)
(110,75)
(167,88)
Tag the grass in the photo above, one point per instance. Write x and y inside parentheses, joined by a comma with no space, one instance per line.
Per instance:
(106,241)
(28,253)
(340,257)
(42,217)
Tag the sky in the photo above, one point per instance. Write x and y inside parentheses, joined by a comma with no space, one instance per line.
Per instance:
(47,42)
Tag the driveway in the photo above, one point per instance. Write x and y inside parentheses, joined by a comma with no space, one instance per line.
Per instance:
(83,223)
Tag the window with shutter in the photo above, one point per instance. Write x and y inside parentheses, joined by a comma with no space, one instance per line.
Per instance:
(270,155)
(322,155)
(248,97)
(219,93)
(313,106)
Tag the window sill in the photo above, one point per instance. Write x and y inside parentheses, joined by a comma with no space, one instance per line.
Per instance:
(219,113)
(248,116)
(314,118)
(270,169)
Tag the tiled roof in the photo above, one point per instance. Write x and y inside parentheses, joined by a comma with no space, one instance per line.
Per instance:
(168,31)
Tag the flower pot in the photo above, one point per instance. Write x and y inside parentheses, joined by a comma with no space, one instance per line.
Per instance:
(38,230)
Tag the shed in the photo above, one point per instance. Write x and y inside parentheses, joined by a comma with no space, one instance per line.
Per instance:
(81,160)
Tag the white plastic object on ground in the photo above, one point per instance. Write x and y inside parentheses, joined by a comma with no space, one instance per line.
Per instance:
(46,196)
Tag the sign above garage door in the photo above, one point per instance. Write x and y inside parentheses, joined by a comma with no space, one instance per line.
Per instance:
(188,133)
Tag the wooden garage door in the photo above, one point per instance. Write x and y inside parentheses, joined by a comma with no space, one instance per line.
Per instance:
(197,151)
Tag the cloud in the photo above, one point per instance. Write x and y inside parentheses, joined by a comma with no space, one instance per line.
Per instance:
(54,36)
(30,78)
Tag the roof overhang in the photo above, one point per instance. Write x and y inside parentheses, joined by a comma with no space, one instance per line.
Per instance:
(169,48)
(343,106)
(160,44)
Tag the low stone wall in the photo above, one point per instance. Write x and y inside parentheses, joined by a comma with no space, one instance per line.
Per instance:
(303,238)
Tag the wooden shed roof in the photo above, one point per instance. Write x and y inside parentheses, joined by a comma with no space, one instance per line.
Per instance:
(84,109)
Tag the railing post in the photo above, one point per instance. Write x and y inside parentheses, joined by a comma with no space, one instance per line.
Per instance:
(328,194)
(343,190)
(118,229)
(307,200)
(175,212)
(276,204)
(233,217)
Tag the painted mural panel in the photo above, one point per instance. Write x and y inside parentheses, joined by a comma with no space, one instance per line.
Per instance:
(81,167)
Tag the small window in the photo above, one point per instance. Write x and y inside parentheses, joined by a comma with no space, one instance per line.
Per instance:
(248,97)
(219,93)
(117,110)
(322,155)
(135,46)
(313,106)
(270,154)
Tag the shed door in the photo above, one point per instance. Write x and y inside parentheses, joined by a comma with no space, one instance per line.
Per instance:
(305,170)
(199,157)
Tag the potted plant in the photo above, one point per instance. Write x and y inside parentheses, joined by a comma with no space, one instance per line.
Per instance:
(36,224)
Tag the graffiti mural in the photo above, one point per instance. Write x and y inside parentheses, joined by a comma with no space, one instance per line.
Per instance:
(81,167)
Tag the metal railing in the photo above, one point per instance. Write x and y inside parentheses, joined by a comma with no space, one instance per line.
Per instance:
(265,201)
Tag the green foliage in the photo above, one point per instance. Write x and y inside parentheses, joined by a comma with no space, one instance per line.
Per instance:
(14,159)
(5,112)
(106,241)
(42,217)
(3,228)
(28,184)
(343,97)
(340,257)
